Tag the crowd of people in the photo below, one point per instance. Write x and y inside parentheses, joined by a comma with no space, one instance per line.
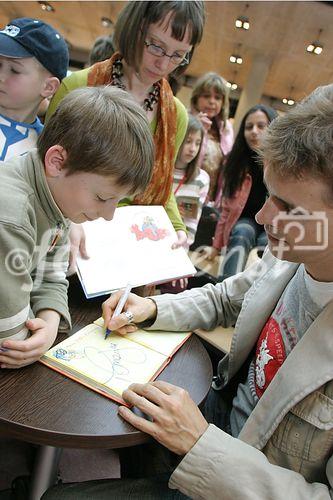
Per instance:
(115,134)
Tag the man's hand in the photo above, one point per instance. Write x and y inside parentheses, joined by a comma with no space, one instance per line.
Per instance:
(141,308)
(18,353)
(181,240)
(77,240)
(176,421)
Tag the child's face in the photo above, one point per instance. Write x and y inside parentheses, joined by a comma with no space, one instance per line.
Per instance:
(191,147)
(86,196)
(22,82)
(210,103)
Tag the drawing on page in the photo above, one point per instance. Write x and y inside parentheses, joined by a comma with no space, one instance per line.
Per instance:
(149,229)
(112,362)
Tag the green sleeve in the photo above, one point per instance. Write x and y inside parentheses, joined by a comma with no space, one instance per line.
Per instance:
(75,80)
(171,209)
(171,205)
(182,121)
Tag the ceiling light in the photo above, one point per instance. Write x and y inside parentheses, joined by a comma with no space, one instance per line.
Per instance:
(315,47)
(235,59)
(242,22)
(288,100)
(232,85)
(106,22)
(47,6)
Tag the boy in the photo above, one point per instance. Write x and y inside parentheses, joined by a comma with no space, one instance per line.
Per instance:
(33,61)
(95,150)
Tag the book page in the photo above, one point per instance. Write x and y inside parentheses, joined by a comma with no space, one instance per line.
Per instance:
(162,342)
(135,247)
(115,362)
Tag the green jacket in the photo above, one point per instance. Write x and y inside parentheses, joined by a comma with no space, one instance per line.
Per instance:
(79,79)
(32,268)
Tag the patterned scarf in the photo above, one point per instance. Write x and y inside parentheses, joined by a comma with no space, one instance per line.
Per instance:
(159,188)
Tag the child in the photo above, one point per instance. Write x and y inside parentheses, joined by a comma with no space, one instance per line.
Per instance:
(96,149)
(190,183)
(33,61)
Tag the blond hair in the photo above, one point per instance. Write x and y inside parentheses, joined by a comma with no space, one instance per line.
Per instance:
(300,143)
(103,131)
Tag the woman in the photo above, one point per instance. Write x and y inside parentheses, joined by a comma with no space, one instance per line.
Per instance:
(244,193)
(153,40)
(210,101)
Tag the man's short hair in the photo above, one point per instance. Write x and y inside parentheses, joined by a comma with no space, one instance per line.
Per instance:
(300,143)
(105,132)
(102,49)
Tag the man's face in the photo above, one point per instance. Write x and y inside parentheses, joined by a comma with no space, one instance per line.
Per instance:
(86,196)
(298,220)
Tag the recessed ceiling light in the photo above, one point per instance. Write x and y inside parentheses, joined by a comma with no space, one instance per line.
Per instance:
(106,22)
(47,6)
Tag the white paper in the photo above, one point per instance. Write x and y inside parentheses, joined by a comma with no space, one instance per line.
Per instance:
(135,247)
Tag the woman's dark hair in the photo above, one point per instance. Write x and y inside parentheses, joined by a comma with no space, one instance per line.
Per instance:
(134,20)
(241,156)
(194,125)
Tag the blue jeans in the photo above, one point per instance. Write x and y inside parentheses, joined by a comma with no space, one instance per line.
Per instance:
(246,234)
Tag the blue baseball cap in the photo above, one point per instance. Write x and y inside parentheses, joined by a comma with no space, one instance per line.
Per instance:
(26,37)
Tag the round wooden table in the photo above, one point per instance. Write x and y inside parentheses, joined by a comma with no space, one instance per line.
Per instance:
(41,406)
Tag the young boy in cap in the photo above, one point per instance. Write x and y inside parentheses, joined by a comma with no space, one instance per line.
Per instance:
(95,150)
(33,61)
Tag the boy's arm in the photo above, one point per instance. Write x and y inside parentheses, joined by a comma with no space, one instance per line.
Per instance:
(50,285)
(16,284)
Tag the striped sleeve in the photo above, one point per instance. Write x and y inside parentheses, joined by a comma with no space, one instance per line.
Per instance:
(15,281)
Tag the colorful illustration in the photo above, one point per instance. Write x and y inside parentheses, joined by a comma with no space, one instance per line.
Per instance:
(149,230)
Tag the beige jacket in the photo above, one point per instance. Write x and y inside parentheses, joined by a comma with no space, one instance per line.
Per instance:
(285,448)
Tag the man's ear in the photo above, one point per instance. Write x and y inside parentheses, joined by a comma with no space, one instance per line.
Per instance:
(54,161)
(51,85)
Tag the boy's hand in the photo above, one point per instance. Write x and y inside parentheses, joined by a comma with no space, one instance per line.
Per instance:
(77,240)
(18,353)
(181,240)
(141,308)
(177,422)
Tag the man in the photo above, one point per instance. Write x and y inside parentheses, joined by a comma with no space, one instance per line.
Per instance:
(276,439)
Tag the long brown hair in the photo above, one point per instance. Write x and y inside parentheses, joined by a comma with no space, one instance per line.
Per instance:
(192,169)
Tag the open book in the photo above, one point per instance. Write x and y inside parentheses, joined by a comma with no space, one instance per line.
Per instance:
(109,366)
(135,247)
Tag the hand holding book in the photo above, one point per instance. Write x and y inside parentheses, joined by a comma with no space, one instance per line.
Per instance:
(142,309)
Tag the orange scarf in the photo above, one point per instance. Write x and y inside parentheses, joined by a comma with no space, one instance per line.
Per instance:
(159,188)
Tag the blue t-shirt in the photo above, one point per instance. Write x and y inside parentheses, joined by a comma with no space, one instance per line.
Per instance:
(16,138)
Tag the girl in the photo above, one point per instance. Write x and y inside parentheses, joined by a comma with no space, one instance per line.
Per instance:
(190,183)
(244,193)
(210,101)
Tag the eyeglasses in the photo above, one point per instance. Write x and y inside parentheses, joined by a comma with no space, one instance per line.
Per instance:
(177,59)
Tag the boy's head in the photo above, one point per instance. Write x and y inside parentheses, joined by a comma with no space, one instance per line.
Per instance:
(33,61)
(297,151)
(97,148)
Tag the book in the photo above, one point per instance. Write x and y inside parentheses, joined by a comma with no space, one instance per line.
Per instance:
(109,366)
(135,247)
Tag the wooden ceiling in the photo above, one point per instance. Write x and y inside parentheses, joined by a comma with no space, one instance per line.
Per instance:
(279,31)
